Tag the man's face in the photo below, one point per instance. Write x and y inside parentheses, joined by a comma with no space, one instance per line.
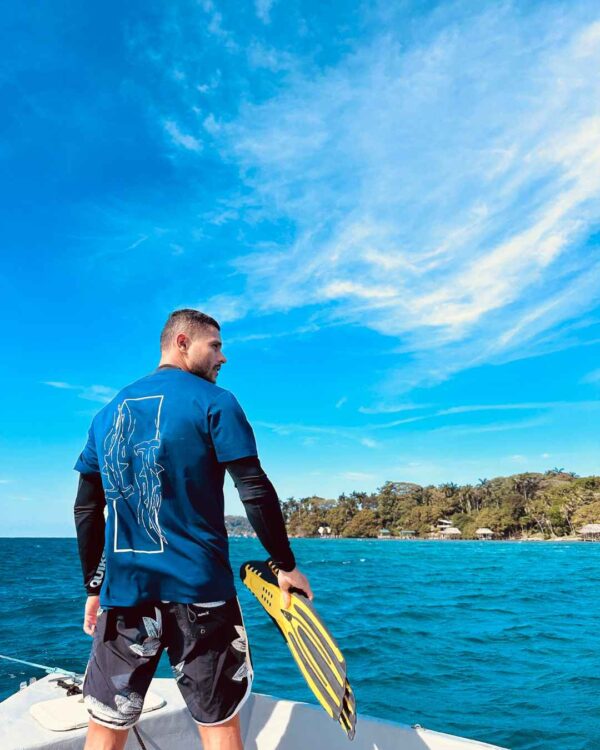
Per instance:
(204,355)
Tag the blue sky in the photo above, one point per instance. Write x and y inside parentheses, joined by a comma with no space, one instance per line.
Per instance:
(392,208)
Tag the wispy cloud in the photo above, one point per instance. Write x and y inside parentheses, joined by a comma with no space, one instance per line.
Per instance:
(363,433)
(400,422)
(340,402)
(100,393)
(524,424)
(215,26)
(59,384)
(442,193)
(357,476)
(296,428)
(263,9)
(475,408)
(263,336)
(527,405)
(382,408)
(137,243)
(591,377)
(187,141)
(369,443)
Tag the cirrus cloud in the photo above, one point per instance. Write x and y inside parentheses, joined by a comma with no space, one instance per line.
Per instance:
(442,192)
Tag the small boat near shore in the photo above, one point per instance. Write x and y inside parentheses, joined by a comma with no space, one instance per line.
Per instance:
(41,716)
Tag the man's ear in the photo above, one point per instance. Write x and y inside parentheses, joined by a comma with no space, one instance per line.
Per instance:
(183,342)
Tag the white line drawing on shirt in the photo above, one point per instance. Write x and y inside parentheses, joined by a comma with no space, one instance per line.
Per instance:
(133,475)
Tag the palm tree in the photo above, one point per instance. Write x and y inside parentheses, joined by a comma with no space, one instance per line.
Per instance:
(449,489)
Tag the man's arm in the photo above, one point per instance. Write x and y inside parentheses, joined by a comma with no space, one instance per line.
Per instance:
(263,510)
(264,513)
(89,522)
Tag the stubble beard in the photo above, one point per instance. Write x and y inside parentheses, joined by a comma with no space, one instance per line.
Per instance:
(206,373)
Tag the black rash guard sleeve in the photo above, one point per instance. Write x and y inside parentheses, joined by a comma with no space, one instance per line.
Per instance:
(263,510)
(89,522)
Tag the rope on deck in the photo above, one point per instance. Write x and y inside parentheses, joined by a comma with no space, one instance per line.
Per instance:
(72,689)
(48,670)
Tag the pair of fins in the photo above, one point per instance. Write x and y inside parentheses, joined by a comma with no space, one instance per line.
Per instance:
(313,647)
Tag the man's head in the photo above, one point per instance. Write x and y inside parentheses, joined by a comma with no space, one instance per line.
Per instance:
(192,340)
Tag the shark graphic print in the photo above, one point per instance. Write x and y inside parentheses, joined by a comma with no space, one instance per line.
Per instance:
(132,475)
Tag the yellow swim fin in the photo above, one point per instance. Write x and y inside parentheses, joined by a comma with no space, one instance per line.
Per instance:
(313,647)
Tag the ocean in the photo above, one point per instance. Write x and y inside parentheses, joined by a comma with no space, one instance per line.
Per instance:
(491,640)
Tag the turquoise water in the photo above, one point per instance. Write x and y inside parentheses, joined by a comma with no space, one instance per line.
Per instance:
(490,640)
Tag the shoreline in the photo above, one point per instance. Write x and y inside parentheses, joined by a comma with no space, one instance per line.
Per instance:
(553,540)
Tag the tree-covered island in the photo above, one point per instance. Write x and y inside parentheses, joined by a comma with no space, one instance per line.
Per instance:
(554,504)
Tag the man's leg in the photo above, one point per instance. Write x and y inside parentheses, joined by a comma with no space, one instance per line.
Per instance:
(211,662)
(103,738)
(225,736)
(127,648)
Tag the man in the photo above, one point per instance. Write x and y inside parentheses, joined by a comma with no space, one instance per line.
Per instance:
(156,456)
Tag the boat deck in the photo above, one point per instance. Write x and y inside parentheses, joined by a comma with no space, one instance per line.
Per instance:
(267,724)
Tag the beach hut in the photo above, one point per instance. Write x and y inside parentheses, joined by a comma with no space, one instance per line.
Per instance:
(407,534)
(590,532)
(450,532)
(384,534)
(484,533)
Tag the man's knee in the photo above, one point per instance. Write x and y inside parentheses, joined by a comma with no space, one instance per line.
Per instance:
(223,736)
(100,737)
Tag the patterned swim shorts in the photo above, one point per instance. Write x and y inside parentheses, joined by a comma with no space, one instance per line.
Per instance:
(206,646)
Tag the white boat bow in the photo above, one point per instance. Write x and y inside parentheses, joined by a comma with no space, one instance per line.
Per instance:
(267,724)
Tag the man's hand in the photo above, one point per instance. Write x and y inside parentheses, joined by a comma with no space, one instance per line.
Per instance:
(293,580)
(90,616)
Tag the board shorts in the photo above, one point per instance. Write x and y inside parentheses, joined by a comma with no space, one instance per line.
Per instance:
(206,645)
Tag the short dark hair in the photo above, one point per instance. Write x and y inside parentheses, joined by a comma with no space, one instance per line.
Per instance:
(180,321)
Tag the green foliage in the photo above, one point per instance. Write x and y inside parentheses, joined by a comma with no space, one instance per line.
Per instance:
(304,516)
(364,524)
(552,504)
(589,513)
(394,499)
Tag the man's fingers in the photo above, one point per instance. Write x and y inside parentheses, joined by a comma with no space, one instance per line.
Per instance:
(304,587)
(294,581)
(90,615)
(89,626)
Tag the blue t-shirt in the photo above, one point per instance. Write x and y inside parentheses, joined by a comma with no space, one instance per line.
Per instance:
(160,446)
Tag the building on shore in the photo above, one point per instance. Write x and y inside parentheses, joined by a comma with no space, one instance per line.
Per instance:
(450,532)
(590,532)
(437,531)
(384,534)
(484,533)
(407,534)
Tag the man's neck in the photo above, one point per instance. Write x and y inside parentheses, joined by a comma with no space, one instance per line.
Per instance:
(168,366)
(170,361)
